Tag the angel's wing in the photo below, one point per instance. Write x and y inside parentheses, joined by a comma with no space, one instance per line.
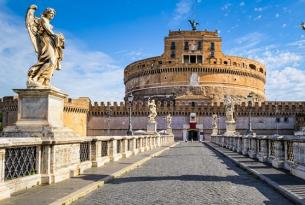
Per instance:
(31,22)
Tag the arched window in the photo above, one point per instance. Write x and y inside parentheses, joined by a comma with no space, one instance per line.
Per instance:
(252,66)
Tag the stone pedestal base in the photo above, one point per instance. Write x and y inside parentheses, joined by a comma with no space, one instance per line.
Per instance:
(40,107)
(151,127)
(214,132)
(262,157)
(169,131)
(230,128)
(277,163)
(40,114)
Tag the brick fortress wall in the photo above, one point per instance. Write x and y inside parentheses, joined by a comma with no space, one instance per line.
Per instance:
(112,118)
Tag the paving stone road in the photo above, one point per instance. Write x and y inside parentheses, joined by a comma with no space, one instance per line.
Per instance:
(189,173)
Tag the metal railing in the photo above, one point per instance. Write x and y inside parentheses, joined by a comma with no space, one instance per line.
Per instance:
(20,162)
(84,152)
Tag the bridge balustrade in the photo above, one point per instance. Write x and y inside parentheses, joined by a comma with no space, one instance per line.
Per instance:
(26,162)
(286,152)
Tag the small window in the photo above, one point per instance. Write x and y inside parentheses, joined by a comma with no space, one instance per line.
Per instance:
(212,54)
(225,62)
(261,70)
(173,54)
(199,59)
(252,66)
(212,46)
(186,45)
(173,46)
(199,47)
(193,59)
(186,59)
(278,120)
(193,105)
(160,62)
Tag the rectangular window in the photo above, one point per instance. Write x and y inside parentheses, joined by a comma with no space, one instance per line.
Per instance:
(186,45)
(199,59)
(173,46)
(192,59)
(173,54)
(199,45)
(212,46)
(212,54)
(186,59)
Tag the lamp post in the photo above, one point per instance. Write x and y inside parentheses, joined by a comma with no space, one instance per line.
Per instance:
(250,101)
(108,120)
(130,99)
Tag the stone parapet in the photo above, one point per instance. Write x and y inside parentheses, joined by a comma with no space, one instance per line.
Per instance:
(280,151)
(51,161)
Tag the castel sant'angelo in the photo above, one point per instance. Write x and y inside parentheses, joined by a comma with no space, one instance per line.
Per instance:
(189,81)
(194,68)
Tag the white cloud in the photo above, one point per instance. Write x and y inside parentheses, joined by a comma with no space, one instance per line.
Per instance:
(226,7)
(183,8)
(286,84)
(285,76)
(84,72)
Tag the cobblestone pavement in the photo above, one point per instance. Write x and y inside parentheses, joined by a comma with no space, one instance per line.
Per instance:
(189,173)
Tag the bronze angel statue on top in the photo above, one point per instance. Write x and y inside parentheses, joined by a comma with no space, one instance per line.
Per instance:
(48,46)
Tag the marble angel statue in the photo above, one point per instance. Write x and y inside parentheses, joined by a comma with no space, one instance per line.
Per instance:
(48,46)
(152,111)
(169,121)
(229,108)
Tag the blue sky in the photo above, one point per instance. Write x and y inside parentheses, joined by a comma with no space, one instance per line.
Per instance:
(102,37)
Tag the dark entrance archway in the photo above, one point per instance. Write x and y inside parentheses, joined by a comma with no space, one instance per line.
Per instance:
(192,135)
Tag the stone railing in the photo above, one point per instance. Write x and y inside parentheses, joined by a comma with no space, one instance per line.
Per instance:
(286,152)
(26,162)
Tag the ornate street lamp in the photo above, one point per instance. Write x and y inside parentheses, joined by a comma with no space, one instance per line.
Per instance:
(250,101)
(130,99)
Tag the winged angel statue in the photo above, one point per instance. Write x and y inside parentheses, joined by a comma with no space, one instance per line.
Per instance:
(48,46)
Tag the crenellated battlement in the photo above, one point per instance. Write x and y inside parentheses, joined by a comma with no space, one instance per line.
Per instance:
(80,105)
(8,103)
(140,108)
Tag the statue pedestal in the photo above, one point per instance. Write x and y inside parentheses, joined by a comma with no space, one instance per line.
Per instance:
(40,114)
(230,128)
(151,127)
(169,131)
(40,107)
(214,132)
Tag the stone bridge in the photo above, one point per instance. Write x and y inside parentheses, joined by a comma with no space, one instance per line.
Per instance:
(174,173)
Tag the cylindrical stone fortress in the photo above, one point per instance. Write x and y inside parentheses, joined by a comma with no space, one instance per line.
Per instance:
(193,67)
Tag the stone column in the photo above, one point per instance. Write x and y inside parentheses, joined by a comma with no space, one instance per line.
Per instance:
(47,164)
(125,148)
(239,144)
(4,190)
(279,154)
(96,149)
(113,150)
(262,155)
(252,151)
(245,145)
